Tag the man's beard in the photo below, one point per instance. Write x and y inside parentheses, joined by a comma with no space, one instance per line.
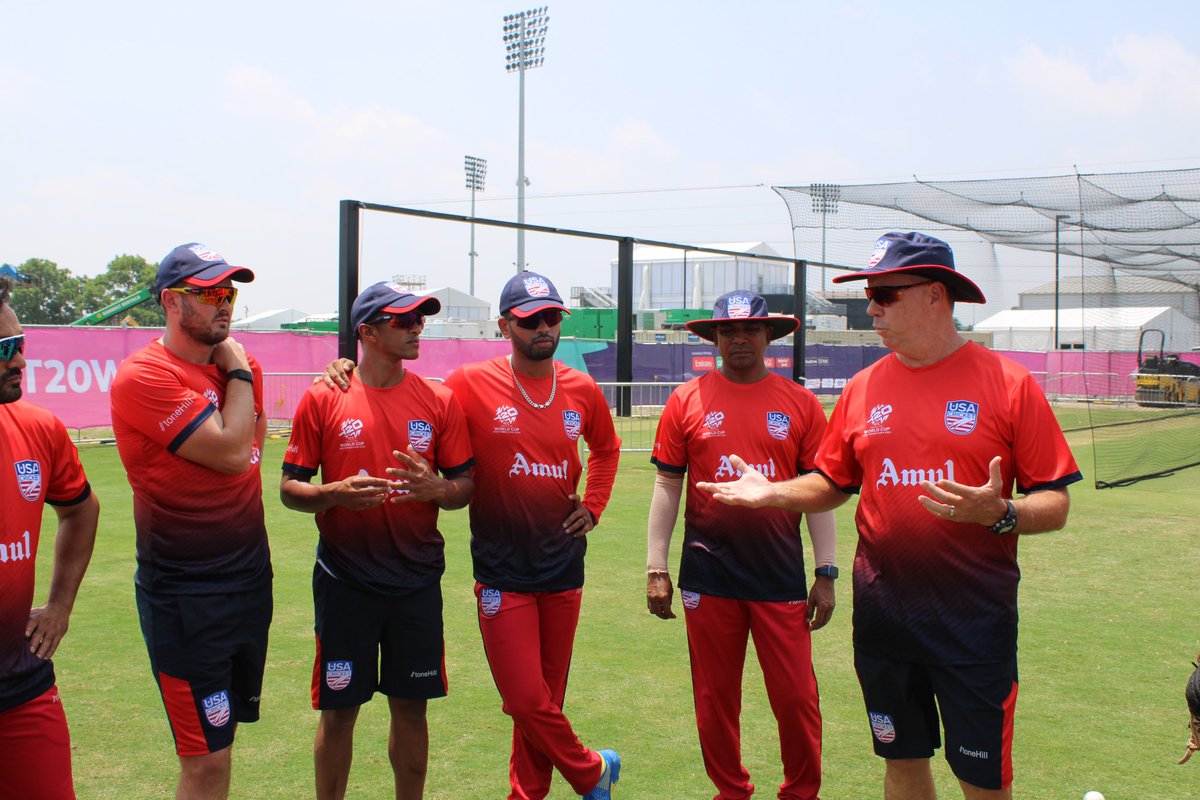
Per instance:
(201,331)
(526,348)
(9,394)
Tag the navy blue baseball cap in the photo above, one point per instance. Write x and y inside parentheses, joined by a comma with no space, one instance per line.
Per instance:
(742,306)
(917,254)
(198,265)
(527,293)
(386,297)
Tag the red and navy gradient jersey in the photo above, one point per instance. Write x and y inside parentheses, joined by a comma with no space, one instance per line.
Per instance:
(928,589)
(775,426)
(526,467)
(38,465)
(199,531)
(395,548)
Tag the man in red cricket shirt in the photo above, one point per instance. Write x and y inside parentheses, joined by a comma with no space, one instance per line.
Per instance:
(742,571)
(380,557)
(934,436)
(187,417)
(529,527)
(38,465)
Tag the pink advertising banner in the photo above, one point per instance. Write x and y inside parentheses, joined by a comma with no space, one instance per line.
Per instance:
(70,369)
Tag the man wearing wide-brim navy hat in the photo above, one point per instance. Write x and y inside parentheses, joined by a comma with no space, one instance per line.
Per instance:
(936,438)
(916,254)
(742,572)
(742,306)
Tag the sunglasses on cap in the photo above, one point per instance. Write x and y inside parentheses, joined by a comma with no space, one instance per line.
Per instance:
(551,316)
(409,319)
(209,295)
(10,346)
(886,295)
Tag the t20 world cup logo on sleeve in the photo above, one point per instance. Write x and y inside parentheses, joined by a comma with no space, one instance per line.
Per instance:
(572,424)
(29,479)
(420,435)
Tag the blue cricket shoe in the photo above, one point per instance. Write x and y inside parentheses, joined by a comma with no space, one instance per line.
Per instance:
(612,771)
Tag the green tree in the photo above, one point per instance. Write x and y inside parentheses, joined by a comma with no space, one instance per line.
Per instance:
(124,275)
(52,296)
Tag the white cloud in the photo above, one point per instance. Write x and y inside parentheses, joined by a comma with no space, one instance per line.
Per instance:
(1137,75)
(16,86)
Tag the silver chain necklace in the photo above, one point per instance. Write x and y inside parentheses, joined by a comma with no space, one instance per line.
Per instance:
(525,394)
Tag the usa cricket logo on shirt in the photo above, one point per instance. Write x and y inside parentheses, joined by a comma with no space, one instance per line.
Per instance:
(738,306)
(881,248)
(216,709)
(778,424)
(420,435)
(882,727)
(536,286)
(572,424)
(489,601)
(961,416)
(29,479)
(338,674)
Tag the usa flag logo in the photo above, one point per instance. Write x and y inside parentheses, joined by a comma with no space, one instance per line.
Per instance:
(882,727)
(338,674)
(29,479)
(216,709)
(572,424)
(778,424)
(536,286)
(738,307)
(489,601)
(205,253)
(881,248)
(961,416)
(420,434)
(691,600)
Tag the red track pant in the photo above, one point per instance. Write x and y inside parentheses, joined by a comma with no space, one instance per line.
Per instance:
(528,638)
(35,750)
(717,629)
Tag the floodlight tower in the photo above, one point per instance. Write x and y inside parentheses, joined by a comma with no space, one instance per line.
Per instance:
(476,169)
(825,197)
(525,47)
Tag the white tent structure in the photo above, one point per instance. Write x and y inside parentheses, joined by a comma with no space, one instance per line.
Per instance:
(460,306)
(1089,329)
(269,320)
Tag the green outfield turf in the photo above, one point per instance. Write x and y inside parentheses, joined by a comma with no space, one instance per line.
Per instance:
(1107,634)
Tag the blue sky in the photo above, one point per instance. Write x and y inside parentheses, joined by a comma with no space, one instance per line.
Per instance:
(132,127)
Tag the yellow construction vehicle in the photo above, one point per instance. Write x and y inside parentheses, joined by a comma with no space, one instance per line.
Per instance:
(1164,380)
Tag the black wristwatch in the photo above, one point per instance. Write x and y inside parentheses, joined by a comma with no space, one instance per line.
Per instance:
(1007,523)
(827,571)
(241,375)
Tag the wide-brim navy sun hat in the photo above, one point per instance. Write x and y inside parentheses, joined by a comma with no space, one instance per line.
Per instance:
(917,254)
(742,306)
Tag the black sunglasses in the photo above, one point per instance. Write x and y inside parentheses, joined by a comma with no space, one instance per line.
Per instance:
(409,319)
(10,346)
(886,295)
(551,316)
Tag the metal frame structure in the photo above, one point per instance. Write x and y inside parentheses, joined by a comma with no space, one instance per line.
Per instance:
(350,231)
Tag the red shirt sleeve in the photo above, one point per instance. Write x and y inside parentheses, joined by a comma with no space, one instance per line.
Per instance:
(604,454)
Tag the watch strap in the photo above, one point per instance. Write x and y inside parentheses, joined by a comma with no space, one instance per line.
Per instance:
(241,375)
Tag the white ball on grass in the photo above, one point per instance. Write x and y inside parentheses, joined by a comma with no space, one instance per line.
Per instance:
(1093,795)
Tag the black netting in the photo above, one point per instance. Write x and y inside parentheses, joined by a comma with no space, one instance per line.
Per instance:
(1133,223)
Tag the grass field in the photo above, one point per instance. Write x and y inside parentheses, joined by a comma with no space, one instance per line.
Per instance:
(1107,634)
